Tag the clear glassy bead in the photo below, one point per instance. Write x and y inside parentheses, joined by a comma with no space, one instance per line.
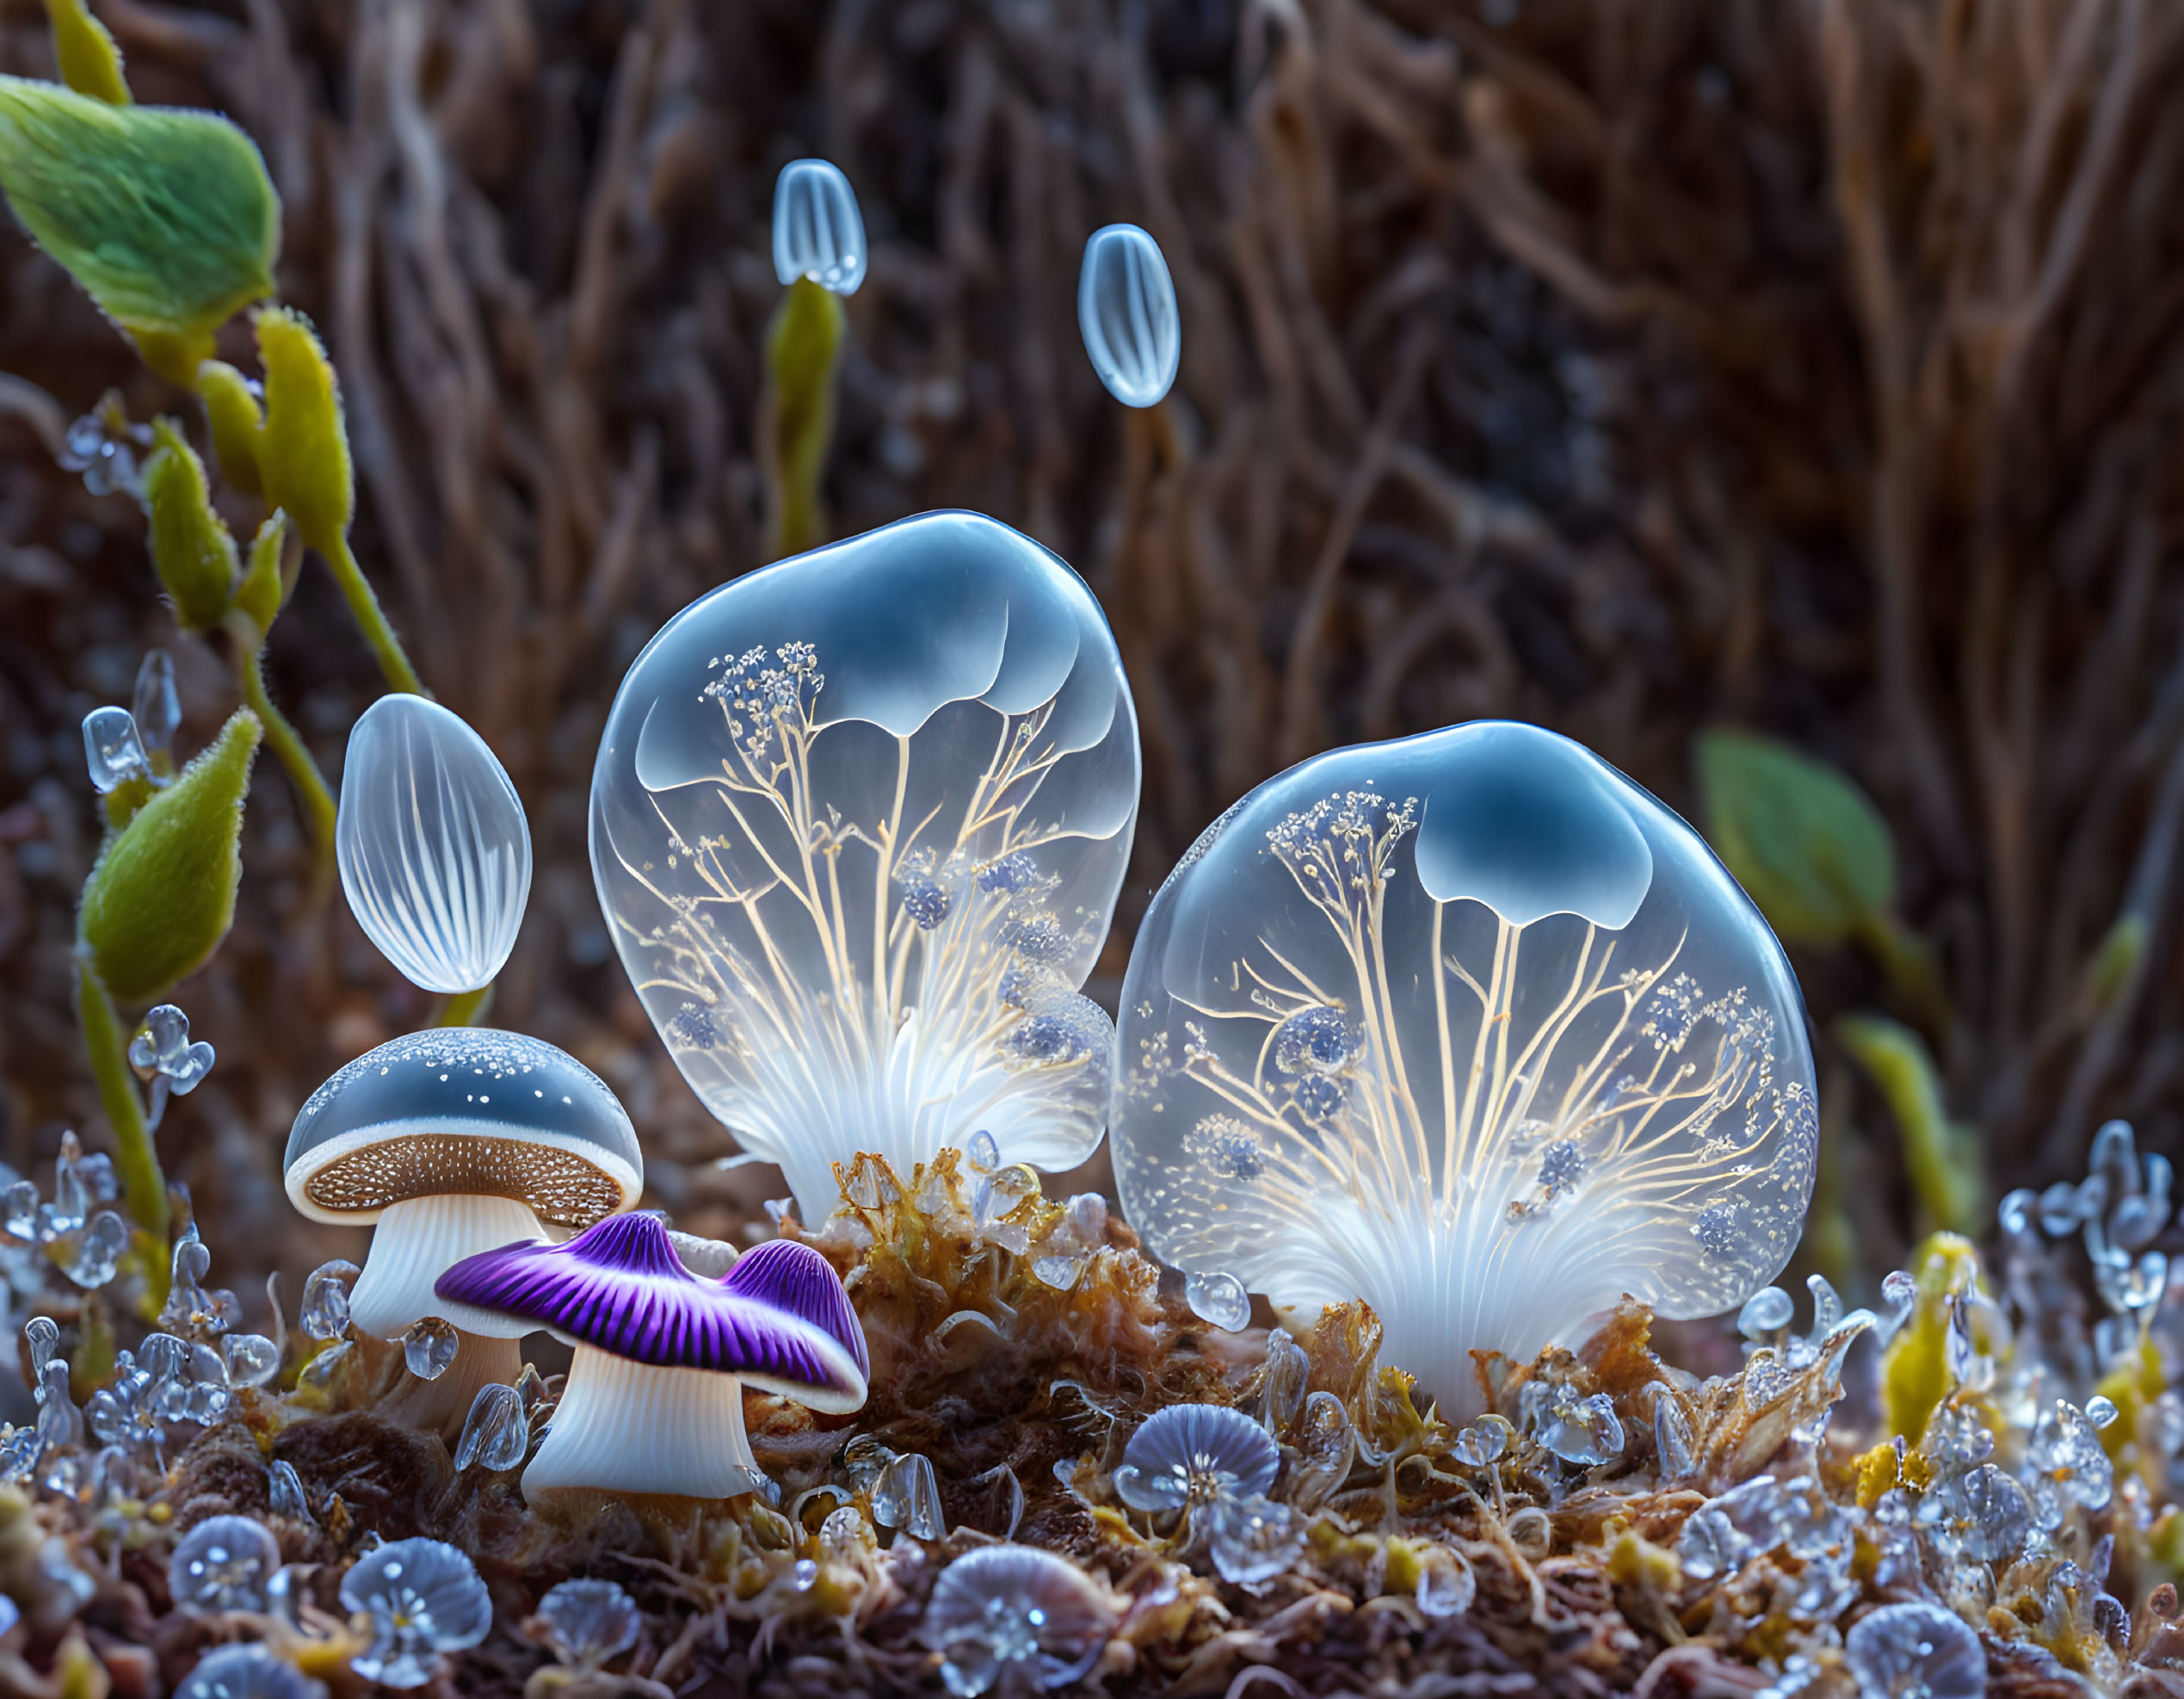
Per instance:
(429,1347)
(907,1495)
(98,1255)
(325,1300)
(114,749)
(1219,1299)
(434,848)
(156,709)
(250,1359)
(818,231)
(1125,308)
(497,1433)
(1252,1540)
(1766,1312)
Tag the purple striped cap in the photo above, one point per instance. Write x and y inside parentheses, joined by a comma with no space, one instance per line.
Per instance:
(778,1320)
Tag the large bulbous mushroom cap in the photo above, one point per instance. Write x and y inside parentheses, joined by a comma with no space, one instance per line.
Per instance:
(1471,1027)
(858,824)
(779,1319)
(464,1110)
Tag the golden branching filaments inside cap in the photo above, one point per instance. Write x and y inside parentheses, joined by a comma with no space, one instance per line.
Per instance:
(560,1187)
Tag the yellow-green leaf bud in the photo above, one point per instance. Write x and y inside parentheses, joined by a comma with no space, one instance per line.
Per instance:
(90,62)
(231,409)
(166,218)
(259,594)
(163,894)
(303,450)
(190,544)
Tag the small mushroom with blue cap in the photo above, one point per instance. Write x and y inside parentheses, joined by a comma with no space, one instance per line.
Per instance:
(653,1411)
(451,1141)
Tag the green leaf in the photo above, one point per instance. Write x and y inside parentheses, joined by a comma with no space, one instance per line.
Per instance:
(303,447)
(166,218)
(259,594)
(231,410)
(163,894)
(1802,839)
(90,62)
(190,544)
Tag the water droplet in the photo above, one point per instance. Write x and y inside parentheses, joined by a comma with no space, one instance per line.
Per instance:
(250,1359)
(2101,1411)
(1326,1446)
(818,231)
(1766,1312)
(588,1622)
(1125,308)
(324,1374)
(223,1564)
(906,1494)
(429,1347)
(1287,1371)
(99,1253)
(1061,1273)
(497,1434)
(1219,1299)
(1252,1540)
(983,1154)
(434,852)
(325,1300)
(1671,1437)
(114,749)
(157,709)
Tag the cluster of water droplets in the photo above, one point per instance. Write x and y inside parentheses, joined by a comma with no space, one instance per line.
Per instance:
(83,1239)
(167,1059)
(107,448)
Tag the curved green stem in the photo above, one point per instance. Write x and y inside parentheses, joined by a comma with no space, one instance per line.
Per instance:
(136,1163)
(364,608)
(464,1008)
(313,796)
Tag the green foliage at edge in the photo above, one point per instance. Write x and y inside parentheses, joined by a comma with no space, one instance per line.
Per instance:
(90,61)
(303,446)
(165,218)
(1805,841)
(163,894)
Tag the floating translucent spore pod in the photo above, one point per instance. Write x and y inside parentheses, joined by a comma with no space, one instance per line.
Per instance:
(435,852)
(818,231)
(858,823)
(1470,1027)
(1125,308)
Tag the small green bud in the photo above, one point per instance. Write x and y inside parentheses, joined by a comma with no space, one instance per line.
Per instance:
(303,450)
(231,410)
(259,593)
(190,544)
(165,218)
(163,894)
(803,352)
(90,62)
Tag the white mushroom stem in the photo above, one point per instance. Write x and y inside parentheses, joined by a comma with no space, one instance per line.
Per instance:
(418,1240)
(625,1427)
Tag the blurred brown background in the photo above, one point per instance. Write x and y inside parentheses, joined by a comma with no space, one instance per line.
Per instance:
(1629,365)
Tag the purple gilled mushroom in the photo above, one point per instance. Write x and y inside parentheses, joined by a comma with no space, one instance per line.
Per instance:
(654,1400)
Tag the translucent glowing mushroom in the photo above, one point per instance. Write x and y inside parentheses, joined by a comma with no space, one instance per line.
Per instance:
(1126,309)
(450,1141)
(1472,1027)
(817,231)
(434,852)
(858,823)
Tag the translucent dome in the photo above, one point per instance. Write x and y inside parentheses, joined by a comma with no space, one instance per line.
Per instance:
(1470,1027)
(1126,309)
(857,824)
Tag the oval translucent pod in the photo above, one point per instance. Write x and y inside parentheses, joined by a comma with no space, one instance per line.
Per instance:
(817,231)
(1472,1027)
(1126,307)
(858,823)
(435,852)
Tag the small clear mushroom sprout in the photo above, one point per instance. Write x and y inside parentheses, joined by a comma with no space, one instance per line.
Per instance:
(653,1411)
(858,823)
(818,231)
(450,1141)
(434,849)
(1126,310)
(1470,1027)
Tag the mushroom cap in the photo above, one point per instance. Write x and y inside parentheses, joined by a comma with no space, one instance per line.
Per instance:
(779,1319)
(464,1110)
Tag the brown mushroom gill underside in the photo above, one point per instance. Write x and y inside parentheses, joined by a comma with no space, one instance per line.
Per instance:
(562,1187)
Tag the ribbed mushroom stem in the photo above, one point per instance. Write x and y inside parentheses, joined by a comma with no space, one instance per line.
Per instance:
(624,1427)
(443,1405)
(418,1240)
